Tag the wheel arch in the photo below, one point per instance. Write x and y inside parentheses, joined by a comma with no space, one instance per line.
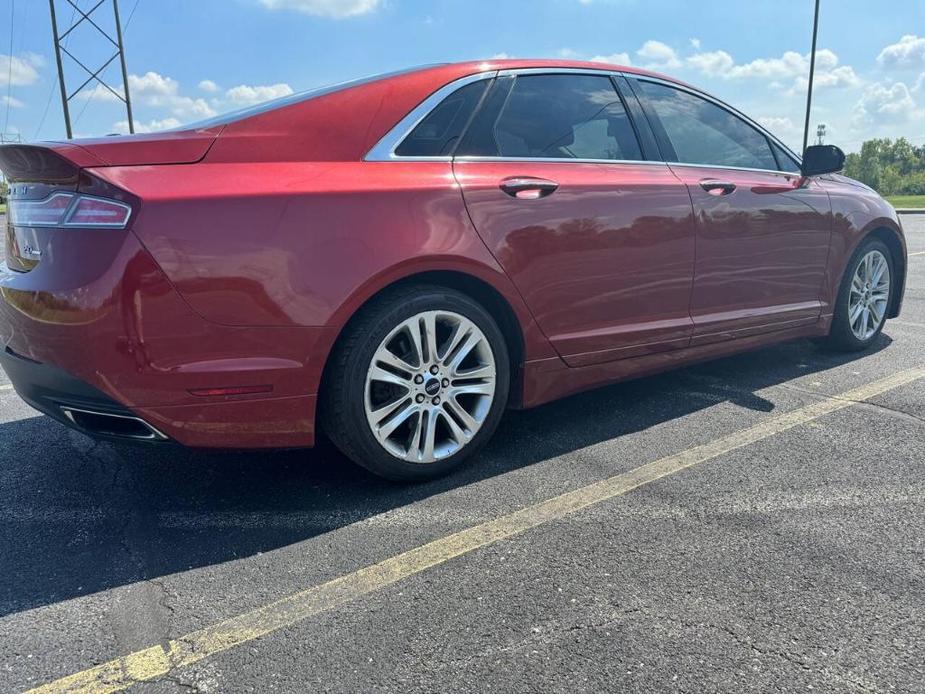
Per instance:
(893,240)
(508,311)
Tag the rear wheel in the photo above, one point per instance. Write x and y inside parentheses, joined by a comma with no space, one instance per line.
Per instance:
(418,383)
(864,297)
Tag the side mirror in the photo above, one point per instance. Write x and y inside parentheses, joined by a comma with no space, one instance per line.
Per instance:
(822,159)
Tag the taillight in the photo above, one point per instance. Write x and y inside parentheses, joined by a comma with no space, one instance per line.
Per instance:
(70,210)
(40,213)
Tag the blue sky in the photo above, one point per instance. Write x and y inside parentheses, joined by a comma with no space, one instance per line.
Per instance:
(189,59)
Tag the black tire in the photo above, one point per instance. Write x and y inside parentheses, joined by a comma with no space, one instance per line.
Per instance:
(841,337)
(343,412)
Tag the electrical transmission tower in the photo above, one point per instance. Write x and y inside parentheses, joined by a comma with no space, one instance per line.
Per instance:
(60,47)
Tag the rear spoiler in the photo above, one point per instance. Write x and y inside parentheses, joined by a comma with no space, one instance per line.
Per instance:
(57,164)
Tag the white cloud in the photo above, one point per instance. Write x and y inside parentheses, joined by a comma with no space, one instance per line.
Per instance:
(149,127)
(500,56)
(157,91)
(842,76)
(885,102)
(336,9)
(790,69)
(172,108)
(20,71)
(658,56)
(712,63)
(908,51)
(695,43)
(613,59)
(919,83)
(245,95)
(152,84)
(11,101)
(781,126)
(99,93)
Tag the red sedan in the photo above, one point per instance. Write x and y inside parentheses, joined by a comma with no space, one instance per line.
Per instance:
(399,259)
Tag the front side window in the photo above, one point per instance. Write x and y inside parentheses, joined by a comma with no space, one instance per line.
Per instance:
(553,116)
(703,133)
(784,161)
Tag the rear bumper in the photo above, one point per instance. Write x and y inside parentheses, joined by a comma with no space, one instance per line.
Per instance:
(108,333)
(74,403)
(241,424)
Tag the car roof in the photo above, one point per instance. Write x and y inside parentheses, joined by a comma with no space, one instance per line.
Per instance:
(474,66)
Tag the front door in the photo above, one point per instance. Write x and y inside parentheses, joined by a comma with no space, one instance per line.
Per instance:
(599,242)
(762,232)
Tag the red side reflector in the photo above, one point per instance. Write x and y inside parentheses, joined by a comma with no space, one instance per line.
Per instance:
(235,390)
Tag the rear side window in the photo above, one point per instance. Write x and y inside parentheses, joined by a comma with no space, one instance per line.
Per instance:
(703,133)
(555,117)
(438,133)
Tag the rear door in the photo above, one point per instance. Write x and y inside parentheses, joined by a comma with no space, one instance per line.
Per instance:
(597,238)
(762,232)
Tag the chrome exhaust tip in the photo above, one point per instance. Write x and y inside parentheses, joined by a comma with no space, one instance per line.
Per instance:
(119,426)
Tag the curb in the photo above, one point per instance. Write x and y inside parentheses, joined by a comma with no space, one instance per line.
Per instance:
(914,210)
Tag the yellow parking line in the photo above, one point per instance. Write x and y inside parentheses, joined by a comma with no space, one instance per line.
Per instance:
(156,661)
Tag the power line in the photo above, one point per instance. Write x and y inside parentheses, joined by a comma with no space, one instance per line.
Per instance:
(130,15)
(9,77)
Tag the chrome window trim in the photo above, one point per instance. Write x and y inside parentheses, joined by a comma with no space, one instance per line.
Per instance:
(603,72)
(688,165)
(558,160)
(384,150)
(723,105)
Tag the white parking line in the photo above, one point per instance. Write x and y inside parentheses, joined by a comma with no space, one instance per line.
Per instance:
(6,386)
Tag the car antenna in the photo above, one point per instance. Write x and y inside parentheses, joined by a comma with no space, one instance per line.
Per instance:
(812,70)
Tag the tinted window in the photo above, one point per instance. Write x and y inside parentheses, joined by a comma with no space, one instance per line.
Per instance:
(784,161)
(555,116)
(703,133)
(437,134)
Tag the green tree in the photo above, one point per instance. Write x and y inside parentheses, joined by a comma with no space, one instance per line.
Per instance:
(891,167)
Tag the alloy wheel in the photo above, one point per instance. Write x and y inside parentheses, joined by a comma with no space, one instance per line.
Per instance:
(430,386)
(869,295)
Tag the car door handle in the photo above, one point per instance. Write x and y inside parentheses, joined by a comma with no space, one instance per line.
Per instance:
(528,187)
(717,187)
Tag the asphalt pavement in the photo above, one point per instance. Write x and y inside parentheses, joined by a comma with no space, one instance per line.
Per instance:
(755,523)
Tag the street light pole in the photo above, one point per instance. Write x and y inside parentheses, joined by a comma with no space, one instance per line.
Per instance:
(812,72)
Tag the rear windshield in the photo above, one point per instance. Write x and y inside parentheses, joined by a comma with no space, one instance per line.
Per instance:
(247,112)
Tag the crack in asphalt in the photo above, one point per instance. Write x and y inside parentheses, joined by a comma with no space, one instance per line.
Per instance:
(862,404)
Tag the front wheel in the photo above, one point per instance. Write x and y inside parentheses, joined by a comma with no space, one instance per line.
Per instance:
(417,384)
(864,297)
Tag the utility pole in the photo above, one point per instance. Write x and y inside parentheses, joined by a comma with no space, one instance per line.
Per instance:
(812,72)
(60,49)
